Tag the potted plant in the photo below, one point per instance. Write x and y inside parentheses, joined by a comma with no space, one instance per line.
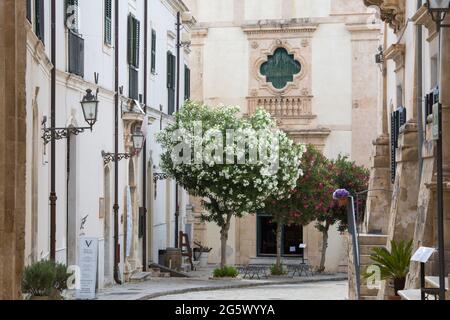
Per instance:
(225,272)
(203,254)
(341,195)
(393,265)
(44,280)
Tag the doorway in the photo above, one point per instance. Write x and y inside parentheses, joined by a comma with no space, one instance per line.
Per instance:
(291,238)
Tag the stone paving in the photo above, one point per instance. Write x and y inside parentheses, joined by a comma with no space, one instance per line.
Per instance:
(336,290)
(160,287)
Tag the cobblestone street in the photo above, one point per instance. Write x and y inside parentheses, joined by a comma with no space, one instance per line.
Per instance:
(336,290)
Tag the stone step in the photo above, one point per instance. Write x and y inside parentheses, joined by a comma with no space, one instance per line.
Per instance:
(369,298)
(367,249)
(140,277)
(370,239)
(366,292)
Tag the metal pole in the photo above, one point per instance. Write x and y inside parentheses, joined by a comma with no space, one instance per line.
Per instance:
(144,156)
(440,180)
(53,196)
(177,207)
(116,147)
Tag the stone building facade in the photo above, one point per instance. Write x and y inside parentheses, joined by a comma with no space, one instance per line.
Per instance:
(324,93)
(84,173)
(12,146)
(404,161)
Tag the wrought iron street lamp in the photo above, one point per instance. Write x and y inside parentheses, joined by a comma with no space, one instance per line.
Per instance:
(89,105)
(138,141)
(438,10)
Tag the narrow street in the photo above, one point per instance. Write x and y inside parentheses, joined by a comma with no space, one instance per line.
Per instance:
(336,290)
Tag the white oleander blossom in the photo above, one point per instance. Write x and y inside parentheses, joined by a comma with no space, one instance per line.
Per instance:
(238,162)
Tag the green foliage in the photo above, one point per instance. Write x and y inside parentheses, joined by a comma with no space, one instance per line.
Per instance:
(345,174)
(277,271)
(393,265)
(61,277)
(226,272)
(39,279)
(311,195)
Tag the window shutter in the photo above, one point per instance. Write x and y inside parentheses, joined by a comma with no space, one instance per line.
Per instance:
(137,41)
(108,22)
(187,83)
(169,70)
(29,10)
(40,19)
(130,39)
(153,62)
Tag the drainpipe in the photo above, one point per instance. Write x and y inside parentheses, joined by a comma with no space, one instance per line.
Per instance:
(419,87)
(177,210)
(53,196)
(144,156)
(116,145)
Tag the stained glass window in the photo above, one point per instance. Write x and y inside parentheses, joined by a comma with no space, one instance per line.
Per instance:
(280,68)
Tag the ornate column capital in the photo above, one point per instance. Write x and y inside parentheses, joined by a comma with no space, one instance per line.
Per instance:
(391,12)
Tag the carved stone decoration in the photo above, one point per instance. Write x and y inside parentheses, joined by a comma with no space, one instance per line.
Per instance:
(423,17)
(305,43)
(391,12)
(396,52)
(255,45)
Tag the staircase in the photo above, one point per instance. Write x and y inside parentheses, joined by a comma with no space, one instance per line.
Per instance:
(367,242)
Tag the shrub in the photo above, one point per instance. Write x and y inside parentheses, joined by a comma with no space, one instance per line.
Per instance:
(39,279)
(45,279)
(226,272)
(277,270)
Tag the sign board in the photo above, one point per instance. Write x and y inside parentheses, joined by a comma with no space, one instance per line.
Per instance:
(302,246)
(423,254)
(435,129)
(88,256)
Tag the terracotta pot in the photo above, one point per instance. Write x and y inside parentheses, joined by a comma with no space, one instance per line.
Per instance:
(343,202)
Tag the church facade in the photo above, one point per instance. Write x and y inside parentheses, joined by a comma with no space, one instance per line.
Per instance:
(309,64)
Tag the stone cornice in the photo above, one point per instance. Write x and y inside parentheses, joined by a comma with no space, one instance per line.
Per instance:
(396,52)
(391,11)
(422,17)
(360,32)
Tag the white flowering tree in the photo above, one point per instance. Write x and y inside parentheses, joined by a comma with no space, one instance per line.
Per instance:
(234,164)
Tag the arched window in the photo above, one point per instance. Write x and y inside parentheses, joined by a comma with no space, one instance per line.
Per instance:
(280,68)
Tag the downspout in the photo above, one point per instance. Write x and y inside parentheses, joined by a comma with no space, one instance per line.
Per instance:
(53,196)
(419,91)
(177,207)
(144,156)
(116,145)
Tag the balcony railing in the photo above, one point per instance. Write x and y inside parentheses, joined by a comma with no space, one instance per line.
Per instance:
(283,107)
(76,54)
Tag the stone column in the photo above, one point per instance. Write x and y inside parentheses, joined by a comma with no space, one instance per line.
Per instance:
(12,146)
(403,213)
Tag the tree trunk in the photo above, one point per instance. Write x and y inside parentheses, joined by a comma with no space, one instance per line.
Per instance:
(223,241)
(279,234)
(324,247)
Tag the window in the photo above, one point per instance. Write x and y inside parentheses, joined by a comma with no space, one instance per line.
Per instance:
(39,19)
(29,10)
(153,58)
(187,83)
(398,119)
(171,82)
(133,41)
(108,22)
(280,68)
(72,15)
(76,54)
(133,56)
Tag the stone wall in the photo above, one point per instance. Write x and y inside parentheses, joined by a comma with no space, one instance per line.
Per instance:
(12,146)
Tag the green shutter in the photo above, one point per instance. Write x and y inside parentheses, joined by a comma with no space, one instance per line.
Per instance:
(133,41)
(108,22)
(187,83)
(39,16)
(153,62)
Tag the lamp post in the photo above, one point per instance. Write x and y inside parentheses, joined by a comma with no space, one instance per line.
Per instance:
(137,139)
(438,10)
(89,106)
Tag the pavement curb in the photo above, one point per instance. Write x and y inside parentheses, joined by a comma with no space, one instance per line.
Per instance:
(242,286)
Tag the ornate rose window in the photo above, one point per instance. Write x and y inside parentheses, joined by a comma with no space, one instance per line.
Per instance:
(280,68)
